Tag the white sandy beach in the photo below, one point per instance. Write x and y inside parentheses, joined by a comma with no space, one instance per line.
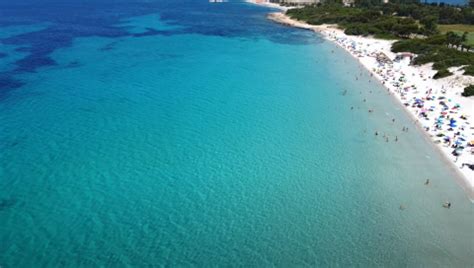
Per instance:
(267,4)
(433,104)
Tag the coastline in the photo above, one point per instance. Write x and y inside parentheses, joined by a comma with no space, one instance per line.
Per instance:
(267,4)
(406,83)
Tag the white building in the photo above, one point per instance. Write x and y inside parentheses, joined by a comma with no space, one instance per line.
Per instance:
(350,2)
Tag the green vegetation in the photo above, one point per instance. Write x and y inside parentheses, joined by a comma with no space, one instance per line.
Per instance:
(468,91)
(459,29)
(444,13)
(358,21)
(329,14)
(442,73)
(469,70)
(457,41)
(435,49)
(440,34)
(396,18)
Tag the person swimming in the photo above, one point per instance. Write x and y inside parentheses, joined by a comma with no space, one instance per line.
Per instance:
(447,204)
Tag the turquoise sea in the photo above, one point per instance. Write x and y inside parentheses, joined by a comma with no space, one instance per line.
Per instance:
(185,133)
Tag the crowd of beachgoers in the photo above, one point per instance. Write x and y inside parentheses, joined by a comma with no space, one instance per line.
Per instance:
(435,105)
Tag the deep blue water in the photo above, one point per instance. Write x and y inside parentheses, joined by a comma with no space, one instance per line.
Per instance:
(186,133)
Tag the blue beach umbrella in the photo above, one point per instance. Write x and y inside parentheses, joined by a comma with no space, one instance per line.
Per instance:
(452,123)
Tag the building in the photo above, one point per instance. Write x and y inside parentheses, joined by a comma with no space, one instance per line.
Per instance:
(349,3)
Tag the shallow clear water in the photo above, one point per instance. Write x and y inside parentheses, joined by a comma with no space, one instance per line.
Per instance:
(189,133)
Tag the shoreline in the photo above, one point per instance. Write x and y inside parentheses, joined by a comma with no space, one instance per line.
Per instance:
(406,83)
